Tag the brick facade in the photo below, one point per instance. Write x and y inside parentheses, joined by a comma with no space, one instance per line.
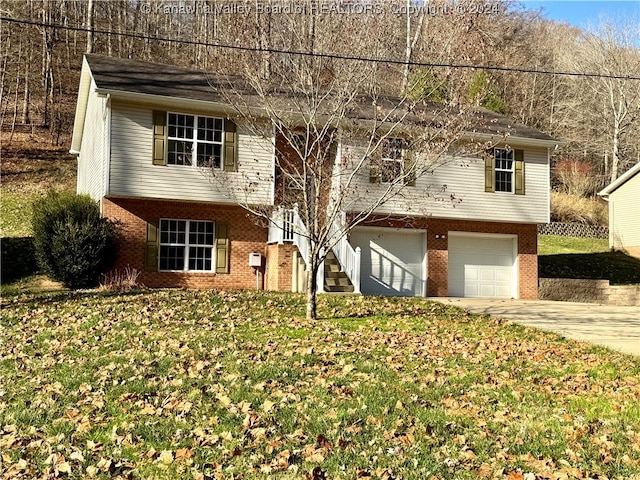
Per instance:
(279,268)
(246,235)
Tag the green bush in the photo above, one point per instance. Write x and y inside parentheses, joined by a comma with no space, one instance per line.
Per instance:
(73,244)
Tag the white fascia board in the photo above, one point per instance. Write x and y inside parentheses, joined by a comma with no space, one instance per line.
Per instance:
(613,186)
(168,102)
(512,140)
(81,107)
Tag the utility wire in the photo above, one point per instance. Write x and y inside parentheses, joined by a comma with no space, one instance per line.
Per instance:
(321,55)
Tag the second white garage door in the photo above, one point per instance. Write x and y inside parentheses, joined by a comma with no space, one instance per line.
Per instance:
(482,266)
(393,261)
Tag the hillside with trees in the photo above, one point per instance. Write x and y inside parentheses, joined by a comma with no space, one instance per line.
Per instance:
(496,55)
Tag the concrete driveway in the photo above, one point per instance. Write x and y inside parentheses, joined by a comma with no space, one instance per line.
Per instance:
(614,327)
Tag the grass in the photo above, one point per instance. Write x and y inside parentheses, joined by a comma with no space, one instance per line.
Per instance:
(556,244)
(585,258)
(192,384)
(30,167)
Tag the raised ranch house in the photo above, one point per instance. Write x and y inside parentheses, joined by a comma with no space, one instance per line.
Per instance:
(145,133)
(624,211)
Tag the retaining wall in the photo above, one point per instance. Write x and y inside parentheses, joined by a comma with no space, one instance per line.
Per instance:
(588,291)
(573,230)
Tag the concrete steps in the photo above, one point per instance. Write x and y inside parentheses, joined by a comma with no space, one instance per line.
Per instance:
(335,280)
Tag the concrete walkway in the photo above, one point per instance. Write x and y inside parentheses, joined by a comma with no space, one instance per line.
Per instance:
(614,327)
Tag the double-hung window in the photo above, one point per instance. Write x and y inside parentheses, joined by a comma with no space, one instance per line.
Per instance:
(195,140)
(504,171)
(187,245)
(504,164)
(392,162)
(392,159)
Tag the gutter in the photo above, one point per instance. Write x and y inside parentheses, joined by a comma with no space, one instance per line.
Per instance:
(514,139)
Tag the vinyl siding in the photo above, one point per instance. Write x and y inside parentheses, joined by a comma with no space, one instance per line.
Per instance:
(624,214)
(456,190)
(133,174)
(92,157)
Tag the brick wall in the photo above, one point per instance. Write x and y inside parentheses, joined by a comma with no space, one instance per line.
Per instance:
(437,249)
(279,267)
(245,236)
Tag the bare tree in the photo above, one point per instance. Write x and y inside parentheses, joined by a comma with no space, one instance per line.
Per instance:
(343,149)
(614,101)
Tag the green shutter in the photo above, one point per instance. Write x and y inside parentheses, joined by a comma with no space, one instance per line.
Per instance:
(153,247)
(409,165)
(489,172)
(222,247)
(230,147)
(519,172)
(159,138)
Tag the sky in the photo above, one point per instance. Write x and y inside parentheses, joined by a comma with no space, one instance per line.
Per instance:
(582,12)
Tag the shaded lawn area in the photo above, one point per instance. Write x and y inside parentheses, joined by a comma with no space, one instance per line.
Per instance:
(617,267)
(191,384)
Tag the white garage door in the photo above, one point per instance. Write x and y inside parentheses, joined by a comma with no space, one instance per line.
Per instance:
(482,266)
(393,261)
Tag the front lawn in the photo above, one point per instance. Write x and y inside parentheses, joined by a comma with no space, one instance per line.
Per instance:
(191,384)
(585,258)
(557,244)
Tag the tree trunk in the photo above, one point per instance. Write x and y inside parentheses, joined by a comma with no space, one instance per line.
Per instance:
(26,117)
(90,27)
(407,54)
(312,289)
(615,151)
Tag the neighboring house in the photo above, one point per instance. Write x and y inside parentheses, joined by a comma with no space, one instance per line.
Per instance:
(623,196)
(179,229)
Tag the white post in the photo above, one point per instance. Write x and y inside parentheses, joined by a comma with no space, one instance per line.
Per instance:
(280,225)
(294,273)
(320,278)
(356,272)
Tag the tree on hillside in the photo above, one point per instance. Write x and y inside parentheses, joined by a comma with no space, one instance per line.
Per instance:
(317,107)
(613,108)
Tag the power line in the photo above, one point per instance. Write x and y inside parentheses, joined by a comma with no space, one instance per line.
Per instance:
(331,56)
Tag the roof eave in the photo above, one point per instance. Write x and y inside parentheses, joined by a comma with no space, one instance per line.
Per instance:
(165,101)
(514,139)
(613,186)
(81,107)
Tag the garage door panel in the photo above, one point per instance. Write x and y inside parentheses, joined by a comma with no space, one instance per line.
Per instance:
(392,262)
(481,266)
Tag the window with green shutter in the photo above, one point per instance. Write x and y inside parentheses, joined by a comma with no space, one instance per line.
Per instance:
(194,141)
(504,171)
(175,245)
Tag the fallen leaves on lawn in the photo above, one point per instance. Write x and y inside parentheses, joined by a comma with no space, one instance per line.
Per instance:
(203,385)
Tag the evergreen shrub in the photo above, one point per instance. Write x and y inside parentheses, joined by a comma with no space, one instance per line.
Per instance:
(73,244)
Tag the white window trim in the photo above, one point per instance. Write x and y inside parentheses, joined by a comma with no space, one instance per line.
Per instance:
(512,171)
(186,246)
(389,159)
(194,140)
